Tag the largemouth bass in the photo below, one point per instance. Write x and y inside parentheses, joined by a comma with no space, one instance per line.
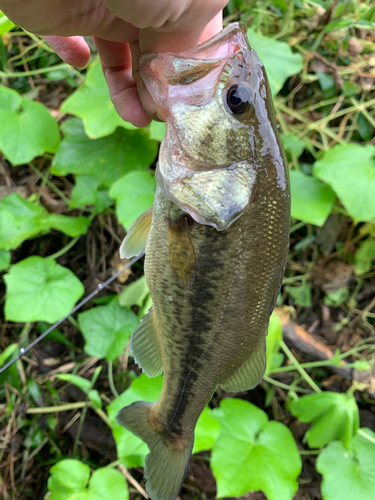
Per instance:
(215,239)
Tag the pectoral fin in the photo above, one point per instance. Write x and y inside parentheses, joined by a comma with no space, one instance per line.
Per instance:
(135,241)
(145,346)
(180,251)
(250,373)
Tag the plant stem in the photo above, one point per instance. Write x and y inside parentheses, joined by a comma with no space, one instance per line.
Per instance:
(50,184)
(285,386)
(53,409)
(364,434)
(299,368)
(110,379)
(64,249)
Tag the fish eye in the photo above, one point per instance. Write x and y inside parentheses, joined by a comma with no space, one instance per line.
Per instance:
(239,99)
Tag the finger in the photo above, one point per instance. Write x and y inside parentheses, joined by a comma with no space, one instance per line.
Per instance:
(73,49)
(186,31)
(213,27)
(116,62)
(144,95)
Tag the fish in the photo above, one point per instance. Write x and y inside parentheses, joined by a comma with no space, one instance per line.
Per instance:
(215,242)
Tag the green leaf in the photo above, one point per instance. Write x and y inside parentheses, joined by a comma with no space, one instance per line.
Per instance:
(134,194)
(95,399)
(206,431)
(273,339)
(27,129)
(91,103)
(135,293)
(72,226)
(10,375)
(5,24)
(20,220)
(106,330)
(157,131)
(311,200)
(350,170)
(106,159)
(130,449)
(80,382)
(300,294)
(88,190)
(7,353)
(292,144)
(39,289)
(364,256)
(253,454)
(348,475)
(336,298)
(4,259)
(277,57)
(332,416)
(69,478)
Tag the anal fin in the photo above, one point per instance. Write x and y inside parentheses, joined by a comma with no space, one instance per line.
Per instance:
(145,346)
(250,373)
(135,241)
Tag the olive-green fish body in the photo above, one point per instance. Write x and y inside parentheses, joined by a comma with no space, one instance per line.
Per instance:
(215,256)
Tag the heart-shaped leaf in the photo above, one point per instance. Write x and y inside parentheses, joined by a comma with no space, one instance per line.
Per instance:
(311,200)
(134,194)
(253,454)
(39,289)
(106,159)
(69,478)
(332,416)
(27,129)
(107,329)
(91,103)
(277,57)
(350,170)
(348,474)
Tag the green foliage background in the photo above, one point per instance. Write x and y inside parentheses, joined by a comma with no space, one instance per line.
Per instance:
(332,170)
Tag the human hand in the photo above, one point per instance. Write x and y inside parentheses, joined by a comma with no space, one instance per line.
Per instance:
(122,30)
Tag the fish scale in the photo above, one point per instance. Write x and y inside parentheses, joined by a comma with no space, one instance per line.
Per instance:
(213,273)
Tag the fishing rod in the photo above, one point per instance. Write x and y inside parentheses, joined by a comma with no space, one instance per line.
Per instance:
(98,289)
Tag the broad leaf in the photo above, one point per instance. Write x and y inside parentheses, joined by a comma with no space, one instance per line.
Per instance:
(332,416)
(69,478)
(88,190)
(157,131)
(130,449)
(22,219)
(206,431)
(80,382)
(91,103)
(135,293)
(348,475)
(27,129)
(72,226)
(106,159)
(253,454)
(350,170)
(5,24)
(292,144)
(134,194)
(300,294)
(4,259)
(277,57)
(39,289)
(107,329)
(273,339)
(311,200)
(364,256)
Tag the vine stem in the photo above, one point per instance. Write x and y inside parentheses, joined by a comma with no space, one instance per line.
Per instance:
(299,368)
(110,379)
(64,249)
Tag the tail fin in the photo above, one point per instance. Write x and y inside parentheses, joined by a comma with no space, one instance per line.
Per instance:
(167,462)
